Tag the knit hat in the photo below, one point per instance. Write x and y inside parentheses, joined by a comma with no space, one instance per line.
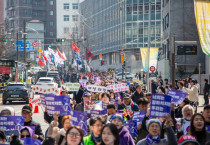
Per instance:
(10,109)
(153,121)
(117,116)
(187,138)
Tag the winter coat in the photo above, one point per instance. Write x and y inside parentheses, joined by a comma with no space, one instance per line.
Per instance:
(136,96)
(170,140)
(125,137)
(134,107)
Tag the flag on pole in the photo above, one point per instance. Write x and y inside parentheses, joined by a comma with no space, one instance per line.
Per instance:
(74,47)
(60,54)
(88,55)
(45,58)
(41,62)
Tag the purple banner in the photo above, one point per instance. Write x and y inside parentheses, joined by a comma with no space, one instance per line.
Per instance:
(11,122)
(139,116)
(79,118)
(58,104)
(30,141)
(94,113)
(132,127)
(160,105)
(177,97)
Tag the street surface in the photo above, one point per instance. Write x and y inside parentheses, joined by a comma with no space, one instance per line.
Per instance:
(39,117)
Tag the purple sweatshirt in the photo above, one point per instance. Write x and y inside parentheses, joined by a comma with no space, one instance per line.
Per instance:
(125,137)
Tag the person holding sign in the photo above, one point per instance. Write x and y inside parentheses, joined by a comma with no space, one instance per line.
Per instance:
(154,128)
(86,97)
(125,137)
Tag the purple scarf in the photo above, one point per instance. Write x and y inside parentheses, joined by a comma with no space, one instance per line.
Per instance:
(151,140)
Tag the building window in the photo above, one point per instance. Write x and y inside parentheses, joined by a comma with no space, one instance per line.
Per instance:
(51,23)
(74,17)
(51,34)
(66,6)
(66,30)
(51,13)
(24,1)
(66,17)
(25,12)
(166,22)
(51,2)
(74,6)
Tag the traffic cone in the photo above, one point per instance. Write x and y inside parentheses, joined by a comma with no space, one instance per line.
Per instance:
(36,109)
(62,82)
(30,104)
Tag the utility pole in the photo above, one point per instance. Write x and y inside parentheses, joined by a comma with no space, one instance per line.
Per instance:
(24,40)
(121,33)
(149,44)
(83,41)
(17,46)
(173,61)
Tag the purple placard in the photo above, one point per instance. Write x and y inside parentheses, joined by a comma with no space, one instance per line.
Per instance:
(58,104)
(43,100)
(139,116)
(95,113)
(11,122)
(160,105)
(30,141)
(132,127)
(177,97)
(79,118)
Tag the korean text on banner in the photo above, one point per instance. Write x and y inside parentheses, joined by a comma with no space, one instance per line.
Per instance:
(11,122)
(202,15)
(160,105)
(72,86)
(177,97)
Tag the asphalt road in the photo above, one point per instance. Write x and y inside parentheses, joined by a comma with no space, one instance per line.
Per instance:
(39,117)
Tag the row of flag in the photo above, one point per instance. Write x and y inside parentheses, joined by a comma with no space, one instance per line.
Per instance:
(58,58)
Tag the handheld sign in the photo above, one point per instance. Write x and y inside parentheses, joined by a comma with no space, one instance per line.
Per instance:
(11,122)
(58,104)
(118,87)
(30,141)
(160,105)
(177,97)
(132,127)
(93,88)
(72,86)
(139,116)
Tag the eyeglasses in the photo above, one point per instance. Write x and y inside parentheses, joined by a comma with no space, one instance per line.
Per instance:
(98,125)
(76,135)
(25,136)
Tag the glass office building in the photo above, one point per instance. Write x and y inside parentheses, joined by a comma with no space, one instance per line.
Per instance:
(103,29)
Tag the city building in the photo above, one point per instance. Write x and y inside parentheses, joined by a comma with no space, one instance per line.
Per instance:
(19,11)
(67,24)
(102,24)
(179,21)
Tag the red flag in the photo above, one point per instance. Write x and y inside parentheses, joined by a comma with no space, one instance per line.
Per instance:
(89,54)
(60,54)
(41,62)
(74,47)
(45,58)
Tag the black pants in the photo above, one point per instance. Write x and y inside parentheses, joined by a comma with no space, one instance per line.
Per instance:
(206,99)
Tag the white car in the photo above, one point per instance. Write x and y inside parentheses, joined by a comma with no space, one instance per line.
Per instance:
(47,81)
(128,75)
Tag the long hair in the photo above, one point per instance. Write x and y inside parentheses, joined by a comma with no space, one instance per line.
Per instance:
(114,131)
(77,128)
(192,127)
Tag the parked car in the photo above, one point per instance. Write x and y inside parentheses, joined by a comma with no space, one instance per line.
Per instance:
(15,92)
(128,75)
(47,81)
(55,75)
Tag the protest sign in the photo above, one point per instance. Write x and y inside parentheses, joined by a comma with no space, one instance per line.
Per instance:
(93,88)
(30,141)
(95,113)
(10,132)
(45,89)
(58,104)
(118,87)
(160,105)
(92,105)
(11,122)
(177,97)
(132,127)
(79,118)
(139,116)
(72,86)
(36,101)
(42,97)
(138,81)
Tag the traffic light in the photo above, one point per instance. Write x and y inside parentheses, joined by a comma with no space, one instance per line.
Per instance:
(4,40)
(102,62)
(60,40)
